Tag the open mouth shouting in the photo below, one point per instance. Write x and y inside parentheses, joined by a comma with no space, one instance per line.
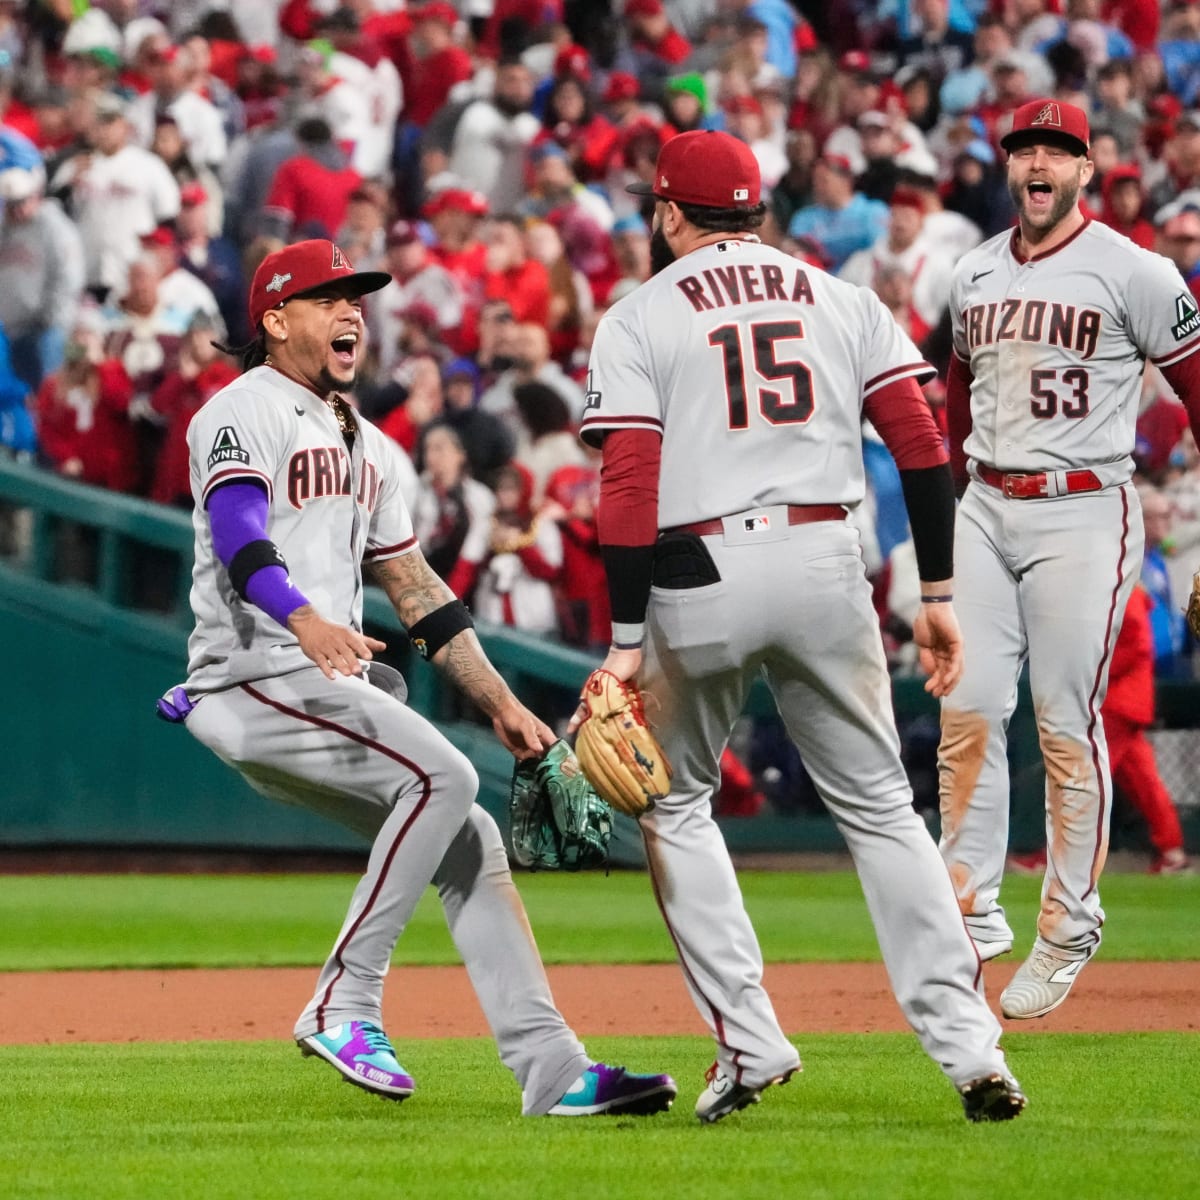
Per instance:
(1039,197)
(345,349)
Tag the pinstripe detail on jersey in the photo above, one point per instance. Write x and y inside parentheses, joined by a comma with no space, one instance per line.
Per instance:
(918,368)
(426,785)
(1093,708)
(1179,353)
(235,473)
(390,551)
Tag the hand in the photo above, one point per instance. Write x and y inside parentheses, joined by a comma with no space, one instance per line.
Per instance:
(624,664)
(336,649)
(73,467)
(522,734)
(937,634)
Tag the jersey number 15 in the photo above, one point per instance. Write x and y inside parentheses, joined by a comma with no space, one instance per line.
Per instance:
(779,408)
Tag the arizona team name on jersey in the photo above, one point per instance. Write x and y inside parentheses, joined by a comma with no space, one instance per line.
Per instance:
(1045,321)
(324,471)
(744,283)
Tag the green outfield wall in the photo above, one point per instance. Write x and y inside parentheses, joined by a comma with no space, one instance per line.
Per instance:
(93,628)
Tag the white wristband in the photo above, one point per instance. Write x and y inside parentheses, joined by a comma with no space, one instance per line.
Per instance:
(628,636)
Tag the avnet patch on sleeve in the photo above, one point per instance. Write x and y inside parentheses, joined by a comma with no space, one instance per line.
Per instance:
(226,448)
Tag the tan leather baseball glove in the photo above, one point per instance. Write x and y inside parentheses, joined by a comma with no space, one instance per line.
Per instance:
(1193,607)
(614,745)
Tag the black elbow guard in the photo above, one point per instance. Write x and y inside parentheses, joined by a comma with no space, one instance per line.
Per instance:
(253,556)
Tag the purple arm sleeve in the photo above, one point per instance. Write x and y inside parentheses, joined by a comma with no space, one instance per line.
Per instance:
(237,514)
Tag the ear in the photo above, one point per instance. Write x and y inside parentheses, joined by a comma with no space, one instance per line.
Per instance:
(275,324)
(1085,175)
(672,218)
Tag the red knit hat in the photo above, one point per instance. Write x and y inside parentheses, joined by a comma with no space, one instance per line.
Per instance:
(304,267)
(705,167)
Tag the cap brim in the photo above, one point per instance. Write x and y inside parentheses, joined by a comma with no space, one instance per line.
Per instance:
(640,189)
(360,283)
(1051,137)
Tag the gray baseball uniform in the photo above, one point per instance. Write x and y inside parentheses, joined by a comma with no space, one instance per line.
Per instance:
(754,369)
(1048,547)
(347,749)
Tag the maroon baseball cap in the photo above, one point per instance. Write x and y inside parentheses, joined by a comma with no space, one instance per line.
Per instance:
(305,267)
(705,167)
(1048,121)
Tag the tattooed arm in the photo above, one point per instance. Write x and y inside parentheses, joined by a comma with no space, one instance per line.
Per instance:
(415,591)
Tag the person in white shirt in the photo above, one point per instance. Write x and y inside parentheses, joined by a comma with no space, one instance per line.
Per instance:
(116,194)
(904,245)
(345,106)
(200,122)
(416,278)
(492,136)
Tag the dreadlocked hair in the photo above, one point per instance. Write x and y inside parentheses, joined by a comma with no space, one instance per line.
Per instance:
(253,354)
(724,220)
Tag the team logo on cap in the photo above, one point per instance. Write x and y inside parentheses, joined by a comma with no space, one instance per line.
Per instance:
(662,182)
(1048,115)
(339,260)
(277,282)
(1187,317)
(741,193)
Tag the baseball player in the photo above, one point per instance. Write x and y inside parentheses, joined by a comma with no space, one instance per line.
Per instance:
(728,394)
(1053,323)
(294,493)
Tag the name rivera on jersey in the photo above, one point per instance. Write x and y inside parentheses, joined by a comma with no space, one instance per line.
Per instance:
(744,283)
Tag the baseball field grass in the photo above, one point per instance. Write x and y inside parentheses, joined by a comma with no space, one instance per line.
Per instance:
(95,921)
(1110,1115)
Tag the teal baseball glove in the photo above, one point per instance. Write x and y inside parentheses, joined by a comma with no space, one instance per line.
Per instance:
(558,822)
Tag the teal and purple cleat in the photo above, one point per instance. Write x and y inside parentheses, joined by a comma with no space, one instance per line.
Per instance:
(612,1091)
(362,1053)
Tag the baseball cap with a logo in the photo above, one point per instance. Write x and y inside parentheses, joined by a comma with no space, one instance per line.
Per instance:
(1049,121)
(306,267)
(704,167)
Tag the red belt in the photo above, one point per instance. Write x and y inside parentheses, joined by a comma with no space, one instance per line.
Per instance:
(1030,486)
(797,514)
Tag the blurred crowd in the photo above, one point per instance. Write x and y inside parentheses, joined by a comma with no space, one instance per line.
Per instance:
(152,153)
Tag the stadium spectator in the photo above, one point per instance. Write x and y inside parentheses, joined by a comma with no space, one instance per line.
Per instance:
(570,292)
(1177,235)
(213,260)
(904,245)
(82,412)
(181,293)
(526,346)
(452,517)
(41,275)
(935,45)
(200,373)
(546,438)
(200,124)
(1127,712)
(745,119)
(524,560)
(512,274)
(570,120)
(416,279)
(116,192)
(312,189)
(570,501)
(488,149)
(344,106)
(487,441)
(655,45)
(840,218)
(168,144)
(1123,203)
(363,234)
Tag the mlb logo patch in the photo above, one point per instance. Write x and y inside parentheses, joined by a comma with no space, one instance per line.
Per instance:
(1048,115)
(741,194)
(756,524)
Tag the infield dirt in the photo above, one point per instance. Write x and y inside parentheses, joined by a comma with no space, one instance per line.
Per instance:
(185,1005)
